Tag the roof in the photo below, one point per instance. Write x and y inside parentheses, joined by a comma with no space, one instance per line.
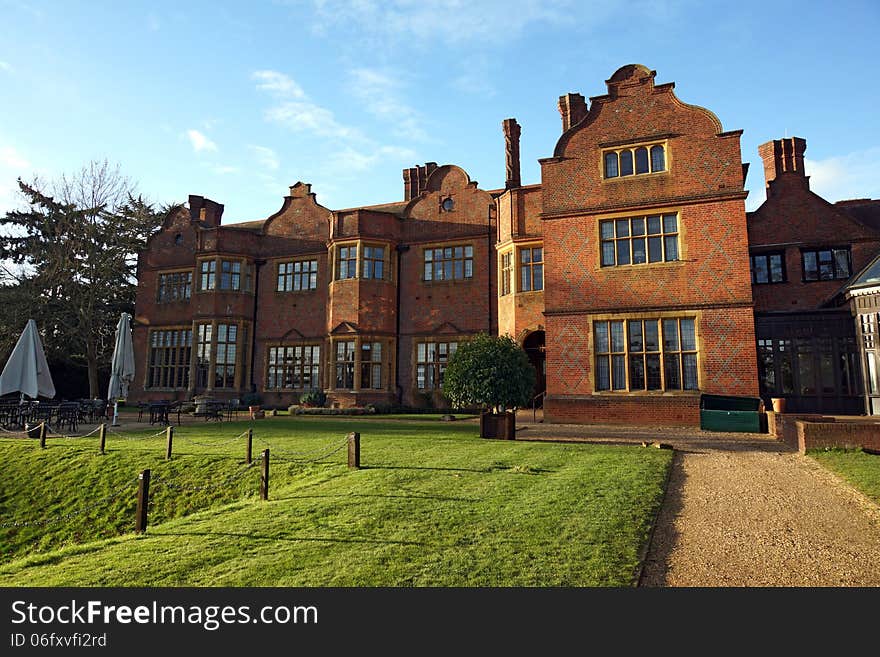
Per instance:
(869,276)
(864,210)
(255,226)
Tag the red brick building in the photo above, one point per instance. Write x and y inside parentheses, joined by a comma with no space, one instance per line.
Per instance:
(625,274)
(803,252)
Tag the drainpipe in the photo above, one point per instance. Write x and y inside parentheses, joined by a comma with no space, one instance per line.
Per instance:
(401,249)
(490,296)
(257,265)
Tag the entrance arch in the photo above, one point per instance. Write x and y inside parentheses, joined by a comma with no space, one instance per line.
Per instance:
(535,347)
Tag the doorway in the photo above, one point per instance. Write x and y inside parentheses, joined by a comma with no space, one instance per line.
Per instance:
(534,346)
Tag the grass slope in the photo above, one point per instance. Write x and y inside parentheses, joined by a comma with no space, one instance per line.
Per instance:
(433,505)
(859,468)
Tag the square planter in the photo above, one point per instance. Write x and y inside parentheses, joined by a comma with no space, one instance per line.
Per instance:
(498,425)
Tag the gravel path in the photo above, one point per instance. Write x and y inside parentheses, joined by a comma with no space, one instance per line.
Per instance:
(744,510)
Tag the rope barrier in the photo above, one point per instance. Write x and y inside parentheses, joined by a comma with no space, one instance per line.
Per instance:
(135,437)
(161,481)
(214,444)
(67,516)
(50,430)
(285,456)
(20,434)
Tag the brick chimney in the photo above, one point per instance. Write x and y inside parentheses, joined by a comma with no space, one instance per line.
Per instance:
(784,157)
(573,109)
(415,179)
(511,149)
(205,210)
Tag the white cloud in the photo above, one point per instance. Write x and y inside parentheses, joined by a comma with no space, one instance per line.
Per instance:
(296,111)
(379,93)
(308,117)
(841,177)
(200,142)
(266,157)
(5,66)
(278,84)
(11,158)
(350,160)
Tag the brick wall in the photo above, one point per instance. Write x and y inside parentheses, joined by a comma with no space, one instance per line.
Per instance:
(793,218)
(703,185)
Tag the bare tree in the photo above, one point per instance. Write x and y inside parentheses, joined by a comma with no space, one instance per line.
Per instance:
(78,251)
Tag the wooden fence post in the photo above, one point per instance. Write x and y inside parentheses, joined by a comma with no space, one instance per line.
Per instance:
(354,450)
(250,446)
(169,433)
(264,478)
(102,434)
(43,435)
(143,502)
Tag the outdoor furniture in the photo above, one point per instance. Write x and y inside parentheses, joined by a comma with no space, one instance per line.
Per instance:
(159,412)
(40,413)
(175,407)
(233,407)
(142,406)
(68,416)
(10,416)
(210,409)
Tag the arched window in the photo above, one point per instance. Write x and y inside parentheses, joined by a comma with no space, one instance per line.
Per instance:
(626,163)
(611,165)
(634,160)
(641,160)
(658,158)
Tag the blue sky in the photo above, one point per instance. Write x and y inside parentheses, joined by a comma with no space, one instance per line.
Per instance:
(238,100)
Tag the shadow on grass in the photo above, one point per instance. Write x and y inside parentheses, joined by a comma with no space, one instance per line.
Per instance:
(291,539)
(382,466)
(438,498)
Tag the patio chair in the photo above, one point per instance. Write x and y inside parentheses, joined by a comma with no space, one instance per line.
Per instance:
(68,416)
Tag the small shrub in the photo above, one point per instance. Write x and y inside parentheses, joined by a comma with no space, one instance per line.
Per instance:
(314,398)
(251,399)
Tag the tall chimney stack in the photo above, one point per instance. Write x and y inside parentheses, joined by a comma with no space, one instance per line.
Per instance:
(415,179)
(573,109)
(784,157)
(512,132)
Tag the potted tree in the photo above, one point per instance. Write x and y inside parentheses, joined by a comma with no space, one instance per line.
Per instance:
(494,374)
(252,400)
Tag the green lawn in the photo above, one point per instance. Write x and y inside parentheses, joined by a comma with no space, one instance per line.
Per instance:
(433,505)
(859,468)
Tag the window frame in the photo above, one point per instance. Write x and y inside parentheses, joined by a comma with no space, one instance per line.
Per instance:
(627,157)
(767,256)
(605,350)
(308,272)
(187,286)
(356,265)
(206,347)
(645,236)
(467,263)
(530,266)
(355,365)
(179,370)
(505,262)
(290,366)
(815,251)
(368,261)
(215,274)
(436,365)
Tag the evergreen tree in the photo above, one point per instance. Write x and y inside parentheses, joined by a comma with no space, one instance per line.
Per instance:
(75,255)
